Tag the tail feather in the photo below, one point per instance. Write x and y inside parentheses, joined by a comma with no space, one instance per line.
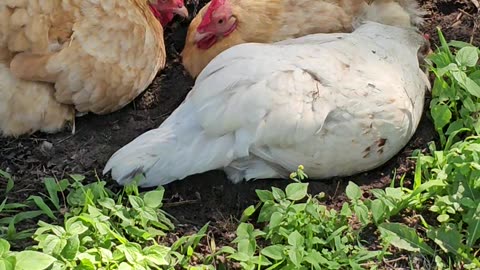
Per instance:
(175,150)
(139,155)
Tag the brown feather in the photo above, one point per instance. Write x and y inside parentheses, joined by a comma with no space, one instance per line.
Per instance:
(97,55)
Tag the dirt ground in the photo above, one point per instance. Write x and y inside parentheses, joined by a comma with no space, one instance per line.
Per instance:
(208,196)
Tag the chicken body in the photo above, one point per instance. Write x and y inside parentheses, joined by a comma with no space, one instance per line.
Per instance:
(339,104)
(26,107)
(275,20)
(96,56)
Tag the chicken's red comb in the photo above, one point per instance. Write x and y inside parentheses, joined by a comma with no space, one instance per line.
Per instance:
(207,18)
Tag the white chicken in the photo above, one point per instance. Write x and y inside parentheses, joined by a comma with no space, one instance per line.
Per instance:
(339,104)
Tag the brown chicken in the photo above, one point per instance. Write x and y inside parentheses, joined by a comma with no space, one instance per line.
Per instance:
(222,24)
(93,56)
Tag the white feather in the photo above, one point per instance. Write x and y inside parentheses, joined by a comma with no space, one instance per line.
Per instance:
(339,104)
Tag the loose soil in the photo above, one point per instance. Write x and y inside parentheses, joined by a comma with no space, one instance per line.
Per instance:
(208,196)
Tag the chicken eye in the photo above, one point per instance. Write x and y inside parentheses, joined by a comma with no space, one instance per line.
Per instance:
(220,21)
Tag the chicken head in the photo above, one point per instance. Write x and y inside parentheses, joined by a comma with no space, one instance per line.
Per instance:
(217,22)
(165,10)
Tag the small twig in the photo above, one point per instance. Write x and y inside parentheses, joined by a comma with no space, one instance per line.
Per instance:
(174,204)
(66,138)
(336,190)
(466,13)
(389,262)
(459,17)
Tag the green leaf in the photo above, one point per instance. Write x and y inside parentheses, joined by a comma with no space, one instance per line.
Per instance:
(353,191)
(43,206)
(240,256)
(362,213)
(32,260)
(86,264)
(77,177)
(157,254)
(227,250)
(441,115)
(452,67)
(154,198)
(296,239)
(244,230)
(123,266)
(275,220)
(473,230)
(108,203)
(75,227)
(296,257)
(354,265)
(467,56)
(106,254)
(278,194)
(469,105)
(378,210)
(26,215)
(274,252)
(472,87)
(246,246)
(404,237)
(457,124)
(466,83)
(136,202)
(189,251)
(52,189)
(10,185)
(445,48)
(149,214)
(266,211)
(459,44)
(247,213)
(70,251)
(475,75)
(9,179)
(296,191)
(2,205)
(443,218)
(315,258)
(53,245)
(7,264)
(264,195)
(447,237)
(4,247)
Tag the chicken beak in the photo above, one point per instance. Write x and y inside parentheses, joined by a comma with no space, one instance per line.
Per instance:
(183,11)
